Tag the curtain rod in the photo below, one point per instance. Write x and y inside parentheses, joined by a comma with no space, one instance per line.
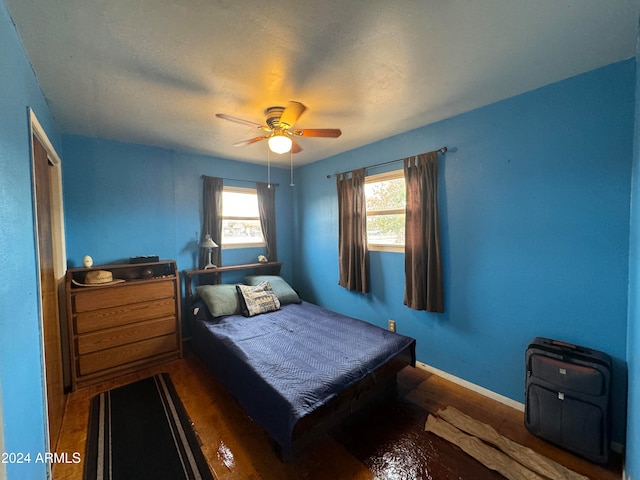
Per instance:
(440,150)
(241,180)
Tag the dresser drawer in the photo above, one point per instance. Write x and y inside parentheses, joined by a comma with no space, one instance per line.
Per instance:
(114,337)
(119,356)
(95,298)
(123,315)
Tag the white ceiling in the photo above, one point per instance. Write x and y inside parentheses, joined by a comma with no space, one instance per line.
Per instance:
(157,71)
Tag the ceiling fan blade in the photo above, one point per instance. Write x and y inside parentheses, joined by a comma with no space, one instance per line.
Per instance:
(244,143)
(238,120)
(319,132)
(295,147)
(291,114)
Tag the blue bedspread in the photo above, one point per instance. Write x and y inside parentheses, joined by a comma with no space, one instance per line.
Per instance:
(283,365)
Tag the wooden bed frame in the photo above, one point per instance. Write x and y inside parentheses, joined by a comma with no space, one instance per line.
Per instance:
(192,278)
(377,386)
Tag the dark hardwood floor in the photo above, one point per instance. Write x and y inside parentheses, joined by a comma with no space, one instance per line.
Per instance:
(387,441)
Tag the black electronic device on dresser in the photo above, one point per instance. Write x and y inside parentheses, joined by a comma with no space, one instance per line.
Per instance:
(144,259)
(568,390)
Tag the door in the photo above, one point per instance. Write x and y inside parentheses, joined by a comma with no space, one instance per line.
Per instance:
(45,201)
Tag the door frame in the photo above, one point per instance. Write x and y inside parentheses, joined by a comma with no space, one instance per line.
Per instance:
(58,240)
(57,212)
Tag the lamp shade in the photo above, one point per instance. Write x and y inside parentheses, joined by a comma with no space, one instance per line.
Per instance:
(208,242)
(279,143)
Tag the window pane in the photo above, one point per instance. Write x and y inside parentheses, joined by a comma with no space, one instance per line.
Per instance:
(388,194)
(385,229)
(235,204)
(240,218)
(241,231)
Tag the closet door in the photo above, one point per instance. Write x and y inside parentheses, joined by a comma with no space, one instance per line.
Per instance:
(48,291)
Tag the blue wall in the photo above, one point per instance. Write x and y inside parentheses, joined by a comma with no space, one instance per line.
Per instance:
(123,200)
(535,227)
(633,334)
(23,419)
(534,204)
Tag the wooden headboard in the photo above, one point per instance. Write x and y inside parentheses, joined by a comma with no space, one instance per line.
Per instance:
(212,276)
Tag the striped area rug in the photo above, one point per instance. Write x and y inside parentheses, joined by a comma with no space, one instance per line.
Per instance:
(141,431)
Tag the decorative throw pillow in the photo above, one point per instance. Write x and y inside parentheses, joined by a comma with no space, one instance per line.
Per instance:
(221,299)
(280,287)
(257,299)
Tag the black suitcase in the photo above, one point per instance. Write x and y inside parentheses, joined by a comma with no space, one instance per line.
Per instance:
(567,397)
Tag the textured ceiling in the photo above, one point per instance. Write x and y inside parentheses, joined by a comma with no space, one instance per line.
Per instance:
(157,71)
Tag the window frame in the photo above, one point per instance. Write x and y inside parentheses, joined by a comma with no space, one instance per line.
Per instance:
(245,191)
(376,178)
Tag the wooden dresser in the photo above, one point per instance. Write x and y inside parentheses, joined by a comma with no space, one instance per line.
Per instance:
(121,327)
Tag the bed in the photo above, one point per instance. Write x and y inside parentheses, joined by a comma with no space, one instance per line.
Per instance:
(299,369)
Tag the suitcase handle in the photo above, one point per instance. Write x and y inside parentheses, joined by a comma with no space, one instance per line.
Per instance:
(570,346)
(563,344)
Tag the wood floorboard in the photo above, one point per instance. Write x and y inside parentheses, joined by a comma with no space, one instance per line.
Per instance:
(385,441)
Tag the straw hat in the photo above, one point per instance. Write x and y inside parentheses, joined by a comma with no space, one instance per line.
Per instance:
(98,277)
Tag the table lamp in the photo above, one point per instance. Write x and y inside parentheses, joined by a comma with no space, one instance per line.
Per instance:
(209,244)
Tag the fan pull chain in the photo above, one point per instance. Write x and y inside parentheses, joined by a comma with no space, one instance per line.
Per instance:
(268,168)
(291,165)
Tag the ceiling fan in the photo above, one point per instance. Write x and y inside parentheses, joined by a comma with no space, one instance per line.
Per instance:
(279,131)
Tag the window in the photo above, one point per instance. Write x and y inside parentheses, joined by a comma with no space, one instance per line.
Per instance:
(240,218)
(385,198)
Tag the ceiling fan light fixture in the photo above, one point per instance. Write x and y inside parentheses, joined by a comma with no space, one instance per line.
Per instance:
(279,143)
(278,130)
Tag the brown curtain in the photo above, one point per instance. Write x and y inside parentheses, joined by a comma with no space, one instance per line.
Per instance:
(422,264)
(352,232)
(267,209)
(212,219)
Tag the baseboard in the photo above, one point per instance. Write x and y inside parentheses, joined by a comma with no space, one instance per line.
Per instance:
(624,473)
(472,386)
(615,446)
